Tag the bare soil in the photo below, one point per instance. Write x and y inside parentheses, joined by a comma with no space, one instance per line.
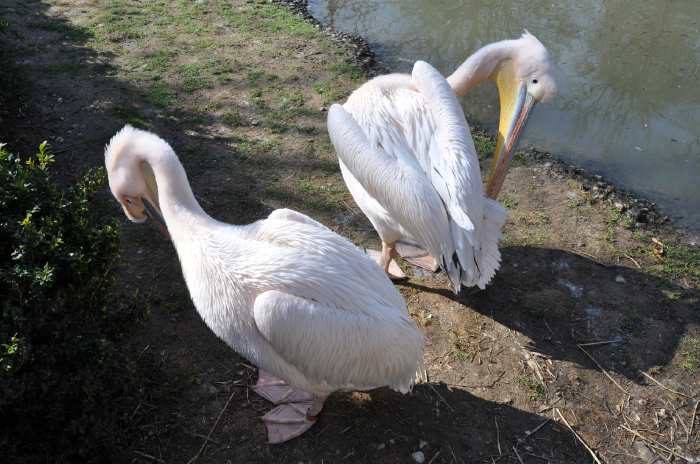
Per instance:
(590,332)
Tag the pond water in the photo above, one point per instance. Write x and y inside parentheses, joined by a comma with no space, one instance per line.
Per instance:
(628,77)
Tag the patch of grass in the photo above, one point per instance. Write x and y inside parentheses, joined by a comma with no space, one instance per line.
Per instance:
(484,143)
(257,99)
(534,218)
(329,91)
(277,19)
(258,76)
(132,116)
(348,70)
(537,392)
(61,27)
(233,119)
(615,220)
(160,94)
(290,99)
(690,349)
(508,201)
(320,194)
(681,260)
(194,76)
(159,61)
(463,345)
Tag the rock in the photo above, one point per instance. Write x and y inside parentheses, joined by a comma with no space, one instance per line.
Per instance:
(418,457)
(619,279)
(381,446)
(620,206)
(323,109)
(422,444)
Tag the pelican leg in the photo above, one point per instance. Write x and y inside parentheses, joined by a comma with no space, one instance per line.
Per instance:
(417,256)
(386,261)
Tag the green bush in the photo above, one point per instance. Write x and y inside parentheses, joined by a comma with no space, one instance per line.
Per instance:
(61,374)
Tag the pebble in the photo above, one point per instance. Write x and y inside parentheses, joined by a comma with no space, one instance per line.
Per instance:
(422,444)
(381,446)
(620,280)
(418,457)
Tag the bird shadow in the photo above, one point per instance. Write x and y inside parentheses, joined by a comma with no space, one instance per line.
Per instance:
(559,299)
(444,424)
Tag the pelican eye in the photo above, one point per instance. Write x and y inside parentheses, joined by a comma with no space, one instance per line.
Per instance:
(534,81)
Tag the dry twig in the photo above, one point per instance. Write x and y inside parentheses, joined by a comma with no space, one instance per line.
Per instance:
(441,397)
(603,342)
(664,386)
(656,444)
(603,370)
(692,421)
(498,437)
(147,456)
(518,455)
(213,427)
(578,437)
(633,260)
(529,433)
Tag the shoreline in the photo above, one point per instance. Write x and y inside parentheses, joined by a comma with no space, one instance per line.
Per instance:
(642,212)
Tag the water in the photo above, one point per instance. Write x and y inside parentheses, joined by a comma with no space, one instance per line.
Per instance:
(628,77)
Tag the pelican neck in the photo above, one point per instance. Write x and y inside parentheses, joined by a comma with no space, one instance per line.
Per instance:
(479,67)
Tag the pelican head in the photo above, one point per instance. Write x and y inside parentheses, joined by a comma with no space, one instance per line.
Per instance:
(131,178)
(524,76)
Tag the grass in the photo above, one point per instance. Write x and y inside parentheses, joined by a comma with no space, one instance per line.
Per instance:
(690,350)
(484,143)
(536,389)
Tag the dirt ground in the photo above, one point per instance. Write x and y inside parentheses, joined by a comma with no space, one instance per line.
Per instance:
(587,342)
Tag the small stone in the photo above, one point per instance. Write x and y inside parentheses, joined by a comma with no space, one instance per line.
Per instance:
(323,109)
(381,446)
(422,444)
(620,206)
(418,457)
(547,165)
(662,412)
(619,279)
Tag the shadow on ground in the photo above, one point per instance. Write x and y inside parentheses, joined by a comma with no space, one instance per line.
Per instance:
(559,299)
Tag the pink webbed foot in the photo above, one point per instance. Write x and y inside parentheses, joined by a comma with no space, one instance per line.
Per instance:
(287,421)
(417,256)
(395,272)
(296,410)
(278,391)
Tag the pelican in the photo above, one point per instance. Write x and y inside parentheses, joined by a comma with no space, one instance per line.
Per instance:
(407,157)
(274,291)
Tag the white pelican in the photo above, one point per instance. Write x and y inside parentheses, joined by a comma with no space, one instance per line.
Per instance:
(408,159)
(311,310)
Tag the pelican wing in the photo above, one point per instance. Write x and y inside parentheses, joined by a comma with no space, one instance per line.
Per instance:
(397,184)
(445,149)
(338,346)
(454,165)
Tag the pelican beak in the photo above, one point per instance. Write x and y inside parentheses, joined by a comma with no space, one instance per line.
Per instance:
(516,104)
(154,214)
